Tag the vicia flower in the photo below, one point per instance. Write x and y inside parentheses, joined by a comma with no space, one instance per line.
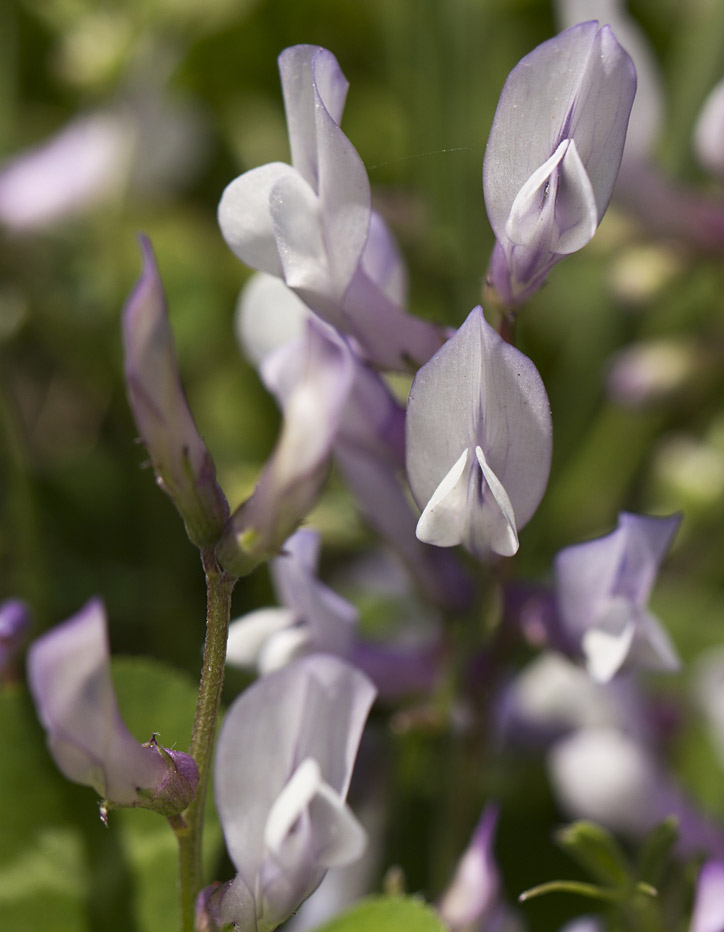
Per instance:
(70,679)
(709,132)
(313,618)
(283,766)
(312,377)
(553,154)
(183,465)
(311,224)
(478,441)
(603,588)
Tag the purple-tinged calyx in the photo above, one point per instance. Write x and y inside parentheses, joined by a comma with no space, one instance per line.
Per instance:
(183,465)
(602,589)
(283,765)
(15,620)
(311,224)
(478,441)
(553,154)
(70,680)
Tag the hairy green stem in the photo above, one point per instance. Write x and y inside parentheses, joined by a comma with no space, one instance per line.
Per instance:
(219,587)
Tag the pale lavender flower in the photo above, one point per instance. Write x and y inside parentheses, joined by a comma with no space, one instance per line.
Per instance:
(312,617)
(85,163)
(603,588)
(312,377)
(70,680)
(606,776)
(708,913)
(553,154)
(478,441)
(283,766)
(311,224)
(473,894)
(183,465)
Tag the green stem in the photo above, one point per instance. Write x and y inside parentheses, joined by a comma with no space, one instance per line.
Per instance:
(219,587)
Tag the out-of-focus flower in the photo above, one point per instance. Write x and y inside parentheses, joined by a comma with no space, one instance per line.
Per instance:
(603,587)
(312,376)
(473,893)
(85,163)
(70,679)
(313,619)
(607,776)
(648,372)
(478,441)
(709,132)
(183,465)
(708,915)
(553,154)
(15,619)
(311,224)
(283,766)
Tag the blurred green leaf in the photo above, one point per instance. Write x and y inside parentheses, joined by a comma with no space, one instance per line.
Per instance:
(597,852)
(657,849)
(387,914)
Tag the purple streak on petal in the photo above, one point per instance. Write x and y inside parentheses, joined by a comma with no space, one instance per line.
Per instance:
(69,677)
(315,710)
(182,463)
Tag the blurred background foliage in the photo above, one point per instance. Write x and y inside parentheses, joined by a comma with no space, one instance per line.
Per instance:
(192,92)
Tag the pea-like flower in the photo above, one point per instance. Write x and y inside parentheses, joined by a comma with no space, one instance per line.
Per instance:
(70,679)
(478,441)
(603,587)
(553,154)
(283,766)
(311,223)
(183,465)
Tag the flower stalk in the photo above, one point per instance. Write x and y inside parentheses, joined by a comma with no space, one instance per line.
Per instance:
(219,587)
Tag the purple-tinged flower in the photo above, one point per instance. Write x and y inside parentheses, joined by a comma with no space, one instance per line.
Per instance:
(474,890)
(603,588)
(70,679)
(15,619)
(183,465)
(708,915)
(283,765)
(312,377)
(311,224)
(553,154)
(478,441)
(607,776)
(313,619)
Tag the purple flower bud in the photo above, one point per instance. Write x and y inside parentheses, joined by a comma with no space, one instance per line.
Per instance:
(603,587)
(283,766)
(311,224)
(70,679)
(14,626)
(478,441)
(473,893)
(312,378)
(183,465)
(553,154)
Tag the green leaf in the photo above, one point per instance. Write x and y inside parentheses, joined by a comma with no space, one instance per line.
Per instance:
(387,914)
(657,849)
(597,852)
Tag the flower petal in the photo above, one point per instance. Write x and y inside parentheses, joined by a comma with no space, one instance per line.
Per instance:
(444,518)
